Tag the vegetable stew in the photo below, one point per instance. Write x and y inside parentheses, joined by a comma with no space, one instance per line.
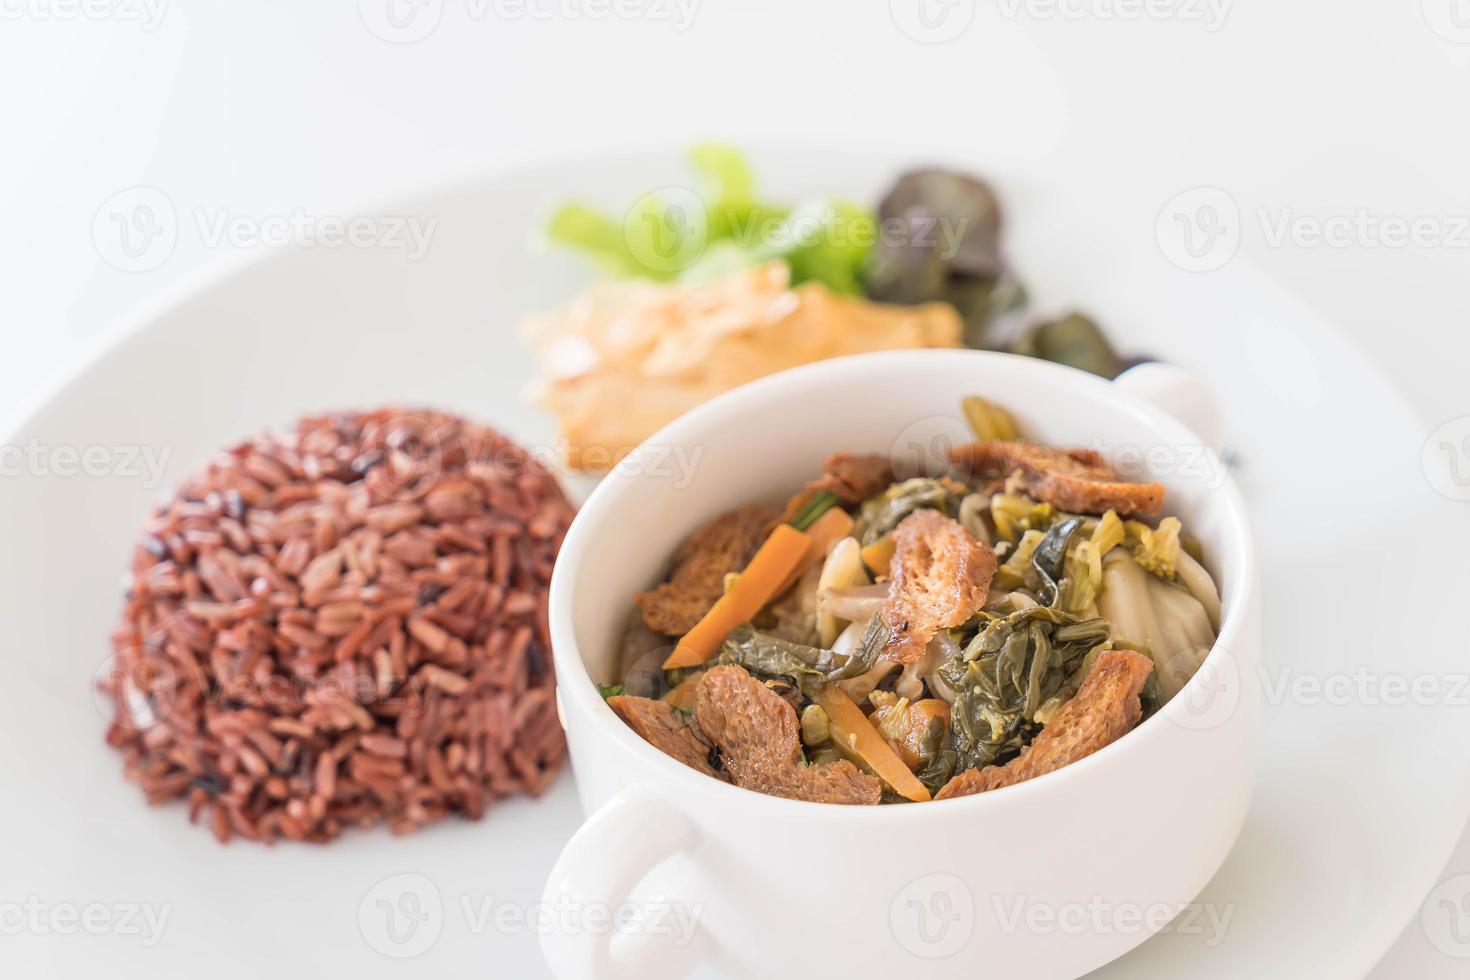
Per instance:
(891,638)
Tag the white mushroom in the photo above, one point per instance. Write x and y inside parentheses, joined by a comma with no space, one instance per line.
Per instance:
(842,570)
(971,516)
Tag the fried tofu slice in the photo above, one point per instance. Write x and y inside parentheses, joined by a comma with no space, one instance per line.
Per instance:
(697,578)
(1077,480)
(854,478)
(621,361)
(939,577)
(1102,711)
(757,733)
(666,729)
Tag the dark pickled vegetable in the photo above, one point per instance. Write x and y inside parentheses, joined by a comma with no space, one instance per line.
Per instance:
(1013,667)
(887,511)
(942,242)
(1075,341)
(808,668)
(1050,557)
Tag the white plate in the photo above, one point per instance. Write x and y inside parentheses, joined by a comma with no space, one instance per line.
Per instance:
(1358,803)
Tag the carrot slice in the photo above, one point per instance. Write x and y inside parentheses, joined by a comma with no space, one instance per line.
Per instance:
(878,554)
(755,587)
(825,531)
(851,726)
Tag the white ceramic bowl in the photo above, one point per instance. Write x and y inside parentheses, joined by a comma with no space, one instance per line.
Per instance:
(1051,878)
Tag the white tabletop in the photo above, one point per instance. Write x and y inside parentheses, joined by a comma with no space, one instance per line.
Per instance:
(1329,134)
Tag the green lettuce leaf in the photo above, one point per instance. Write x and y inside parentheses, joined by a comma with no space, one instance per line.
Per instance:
(720,227)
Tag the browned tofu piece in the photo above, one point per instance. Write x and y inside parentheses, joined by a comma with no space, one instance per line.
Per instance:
(670,731)
(1075,480)
(1102,711)
(697,578)
(757,733)
(939,574)
(619,363)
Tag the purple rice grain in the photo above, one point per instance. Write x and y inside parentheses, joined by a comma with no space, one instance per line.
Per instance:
(344,624)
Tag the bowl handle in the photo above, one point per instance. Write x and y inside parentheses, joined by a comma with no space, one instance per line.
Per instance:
(1181,394)
(597,870)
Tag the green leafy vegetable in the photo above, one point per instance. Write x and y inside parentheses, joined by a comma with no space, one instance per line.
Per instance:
(718,228)
(1109,532)
(1084,564)
(1158,548)
(594,234)
(813,509)
(939,769)
(730,184)
(1016,570)
(1014,515)
(883,513)
(830,244)
(1014,666)
(611,690)
(808,667)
